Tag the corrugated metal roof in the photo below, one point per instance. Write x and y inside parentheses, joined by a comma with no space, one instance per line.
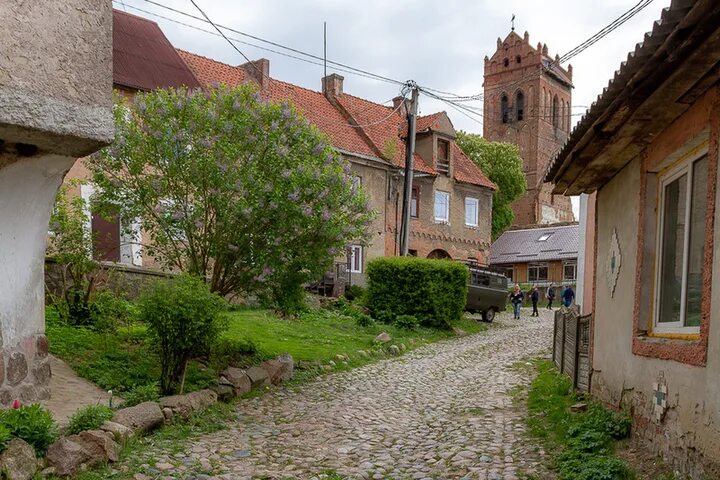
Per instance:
(527,245)
(143,58)
(679,16)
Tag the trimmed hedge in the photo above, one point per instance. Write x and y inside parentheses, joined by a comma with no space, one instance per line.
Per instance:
(433,291)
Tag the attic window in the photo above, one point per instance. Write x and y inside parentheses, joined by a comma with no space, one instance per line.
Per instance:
(544,237)
(443,157)
(518,59)
(506,62)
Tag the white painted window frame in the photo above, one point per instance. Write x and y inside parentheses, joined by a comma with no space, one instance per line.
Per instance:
(446,218)
(670,176)
(476,203)
(575,267)
(356,256)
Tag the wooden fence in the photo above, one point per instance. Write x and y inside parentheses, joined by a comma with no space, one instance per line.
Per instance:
(571,344)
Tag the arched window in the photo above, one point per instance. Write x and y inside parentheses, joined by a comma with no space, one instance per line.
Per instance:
(555,112)
(519,106)
(518,59)
(504,108)
(506,62)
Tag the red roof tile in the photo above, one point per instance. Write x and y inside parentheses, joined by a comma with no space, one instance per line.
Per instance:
(466,171)
(429,122)
(143,58)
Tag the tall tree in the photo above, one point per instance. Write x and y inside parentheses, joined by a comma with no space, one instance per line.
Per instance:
(501,162)
(228,187)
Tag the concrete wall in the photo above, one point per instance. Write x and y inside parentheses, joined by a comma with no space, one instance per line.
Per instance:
(629,362)
(55,92)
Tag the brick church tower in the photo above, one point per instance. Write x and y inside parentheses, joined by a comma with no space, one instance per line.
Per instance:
(527,97)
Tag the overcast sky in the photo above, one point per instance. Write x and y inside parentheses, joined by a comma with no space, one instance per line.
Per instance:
(441,45)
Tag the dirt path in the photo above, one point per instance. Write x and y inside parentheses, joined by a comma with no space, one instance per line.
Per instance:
(442,411)
(70,392)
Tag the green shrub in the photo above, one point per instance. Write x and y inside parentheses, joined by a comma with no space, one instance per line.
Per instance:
(574,465)
(141,393)
(363,319)
(384,316)
(184,320)
(355,293)
(235,352)
(88,418)
(408,322)
(31,423)
(5,437)
(434,291)
(108,311)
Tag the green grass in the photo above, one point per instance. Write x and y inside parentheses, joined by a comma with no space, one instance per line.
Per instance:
(581,444)
(318,336)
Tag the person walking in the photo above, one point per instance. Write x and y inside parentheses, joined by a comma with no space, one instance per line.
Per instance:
(516,298)
(568,296)
(535,298)
(550,294)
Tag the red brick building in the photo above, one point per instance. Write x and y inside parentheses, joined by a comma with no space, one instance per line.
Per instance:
(527,102)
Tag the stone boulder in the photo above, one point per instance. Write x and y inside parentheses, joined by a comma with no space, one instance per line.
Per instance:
(17,461)
(100,441)
(224,391)
(185,405)
(274,371)
(119,432)
(68,456)
(258,376)
(140,418)
(394,350)
(384,337)
(237,378)
(288,366)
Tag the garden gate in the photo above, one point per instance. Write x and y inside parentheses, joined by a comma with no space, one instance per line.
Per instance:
(571,345)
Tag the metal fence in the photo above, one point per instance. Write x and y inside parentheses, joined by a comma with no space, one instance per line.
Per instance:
(571,346)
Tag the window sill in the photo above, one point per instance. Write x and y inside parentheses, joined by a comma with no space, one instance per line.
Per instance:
(673,335)
(441,222)
(691,349)
(471,227)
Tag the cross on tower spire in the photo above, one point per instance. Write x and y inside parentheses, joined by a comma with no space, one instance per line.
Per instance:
(512,23)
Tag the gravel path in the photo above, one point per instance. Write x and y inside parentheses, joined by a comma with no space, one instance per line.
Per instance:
(442,411)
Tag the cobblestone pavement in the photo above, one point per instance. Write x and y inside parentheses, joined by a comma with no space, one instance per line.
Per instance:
(442,411)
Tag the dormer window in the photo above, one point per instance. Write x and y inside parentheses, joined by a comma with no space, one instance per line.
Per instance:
(519,106)
(504,108)
(443,157)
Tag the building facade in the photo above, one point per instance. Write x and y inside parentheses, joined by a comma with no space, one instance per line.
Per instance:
(527,102)
(648,149)
(542,255)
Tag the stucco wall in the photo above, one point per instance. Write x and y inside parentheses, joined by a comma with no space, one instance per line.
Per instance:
(688,432)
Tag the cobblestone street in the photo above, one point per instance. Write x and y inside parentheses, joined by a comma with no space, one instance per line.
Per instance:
(442,411)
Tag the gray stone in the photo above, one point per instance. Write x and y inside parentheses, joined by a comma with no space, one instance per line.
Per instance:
(103,440)
(288,366)
(17,369)
(140,418)
(238,379)
(119,432)
(394,350)
(258,376)
(384,337)
(459,332)
(186,405)
(274,371)
(17,461)
(41,372)
(224,391)
(67,455)
(168,414)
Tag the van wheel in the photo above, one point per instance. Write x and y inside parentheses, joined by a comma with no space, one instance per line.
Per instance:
(489,315)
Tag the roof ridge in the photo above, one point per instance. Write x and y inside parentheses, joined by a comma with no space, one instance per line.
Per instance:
(115,10)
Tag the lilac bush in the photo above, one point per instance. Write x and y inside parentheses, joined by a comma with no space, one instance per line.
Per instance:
(243,192)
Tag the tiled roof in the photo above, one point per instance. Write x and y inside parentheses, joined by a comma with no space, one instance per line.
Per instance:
(523,245)
(143,58)
(379,130)
(429,122)
(466,171)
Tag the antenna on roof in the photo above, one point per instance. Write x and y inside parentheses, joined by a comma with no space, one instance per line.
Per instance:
(512,23)
(325,48)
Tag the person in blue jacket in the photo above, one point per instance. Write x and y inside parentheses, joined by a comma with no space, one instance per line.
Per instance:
(568,296)
(516,298)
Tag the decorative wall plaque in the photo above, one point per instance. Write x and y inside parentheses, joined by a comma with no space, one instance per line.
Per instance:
(659,397)
(613,262)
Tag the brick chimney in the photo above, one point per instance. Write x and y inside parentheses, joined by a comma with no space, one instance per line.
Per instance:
(259,71)
(403,103)
(332,85)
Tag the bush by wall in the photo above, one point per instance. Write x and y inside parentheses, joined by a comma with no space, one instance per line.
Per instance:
(433,291)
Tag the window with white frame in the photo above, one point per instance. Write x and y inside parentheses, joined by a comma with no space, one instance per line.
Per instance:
(537,272)
(355,258)
(442,207)
(680,248)
(570,271)
(471,212)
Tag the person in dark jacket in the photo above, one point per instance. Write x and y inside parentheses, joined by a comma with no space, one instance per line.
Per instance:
(535,298)
(568,296)
(550,296)
(516,298)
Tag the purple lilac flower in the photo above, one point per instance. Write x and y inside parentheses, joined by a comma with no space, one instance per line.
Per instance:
(274,125)
(307,211)
(326,214)
(178,215)
(294,196)
(256,96)
(206,142)
(319,148)
(246,211)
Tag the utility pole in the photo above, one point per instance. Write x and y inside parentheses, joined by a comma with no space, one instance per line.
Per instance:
(409,155)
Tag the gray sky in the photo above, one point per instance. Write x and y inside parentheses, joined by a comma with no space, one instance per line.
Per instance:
(442,48)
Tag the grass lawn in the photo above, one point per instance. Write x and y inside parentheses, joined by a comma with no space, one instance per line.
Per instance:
(123,360)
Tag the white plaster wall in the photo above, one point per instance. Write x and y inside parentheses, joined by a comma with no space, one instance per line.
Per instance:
(27,192)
